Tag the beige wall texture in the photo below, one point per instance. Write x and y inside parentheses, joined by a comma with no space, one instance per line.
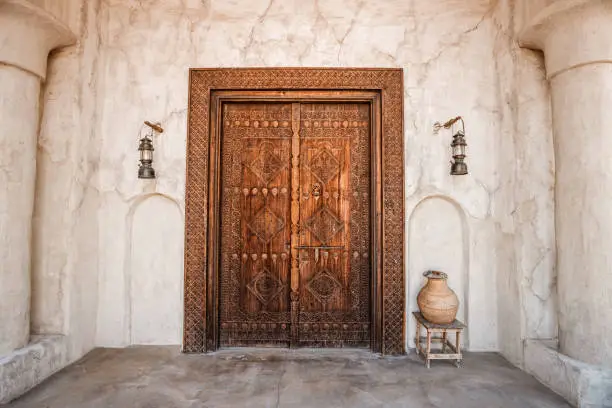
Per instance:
(95,224)
(452,54)
(446,49)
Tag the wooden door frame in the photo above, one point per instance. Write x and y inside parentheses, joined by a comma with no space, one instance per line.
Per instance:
(209,88)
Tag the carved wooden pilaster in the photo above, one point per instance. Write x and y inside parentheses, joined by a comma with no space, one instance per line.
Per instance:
(295,220)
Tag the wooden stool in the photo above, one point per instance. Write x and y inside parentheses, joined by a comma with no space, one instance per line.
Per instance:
(454,327)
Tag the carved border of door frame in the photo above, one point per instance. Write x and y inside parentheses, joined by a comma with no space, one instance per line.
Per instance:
(198,206)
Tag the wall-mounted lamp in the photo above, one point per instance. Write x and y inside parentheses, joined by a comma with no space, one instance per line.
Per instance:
(145,147)
(458,166)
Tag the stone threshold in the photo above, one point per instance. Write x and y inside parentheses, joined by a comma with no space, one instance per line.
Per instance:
(583,385)
(25,368)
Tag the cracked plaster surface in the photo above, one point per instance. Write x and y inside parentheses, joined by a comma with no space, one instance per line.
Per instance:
(65,232)
(525,204)
(446,49)
(19,105)
(458,59)
(48,282)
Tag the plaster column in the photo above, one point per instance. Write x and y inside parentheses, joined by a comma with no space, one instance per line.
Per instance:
(27,35)
(576,37)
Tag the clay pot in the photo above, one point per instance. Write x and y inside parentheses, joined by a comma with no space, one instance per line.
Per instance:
(438,303)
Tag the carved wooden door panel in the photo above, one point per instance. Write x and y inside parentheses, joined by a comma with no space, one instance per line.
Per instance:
(295,225)
(334,240)
(255,225)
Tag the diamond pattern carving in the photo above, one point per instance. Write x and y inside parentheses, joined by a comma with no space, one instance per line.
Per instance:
(324,166)
(324,225)
(266,225)
(324,286)
(265,286)
(267,164)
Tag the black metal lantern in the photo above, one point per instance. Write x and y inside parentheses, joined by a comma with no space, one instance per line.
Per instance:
(145,147)
(458,167)
(146,170)
(458,145)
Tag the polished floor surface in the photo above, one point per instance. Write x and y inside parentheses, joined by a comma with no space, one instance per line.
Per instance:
(152,377)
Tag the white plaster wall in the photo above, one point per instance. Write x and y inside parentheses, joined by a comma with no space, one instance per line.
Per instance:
(438,241)
(583,96)
(67,11)
(19,113)
(156,283)
(445,48)
(65,225)
(524,204)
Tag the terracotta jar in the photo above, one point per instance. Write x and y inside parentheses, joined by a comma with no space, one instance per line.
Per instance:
(438,303)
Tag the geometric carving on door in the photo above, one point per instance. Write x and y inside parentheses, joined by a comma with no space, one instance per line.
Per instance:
(267,164)
(323,286)
(324,225)
(324,166)
(265,286)
(266,225)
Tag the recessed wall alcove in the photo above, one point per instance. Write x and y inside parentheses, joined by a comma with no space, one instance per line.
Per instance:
(438,240)
(154,263)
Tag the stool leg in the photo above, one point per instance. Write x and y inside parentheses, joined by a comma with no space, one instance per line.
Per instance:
(443,342)
(417,337)
(428,347)
(458,341)
(458,346)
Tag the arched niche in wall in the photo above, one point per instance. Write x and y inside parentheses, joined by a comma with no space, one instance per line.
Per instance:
(437,240)
(155,268)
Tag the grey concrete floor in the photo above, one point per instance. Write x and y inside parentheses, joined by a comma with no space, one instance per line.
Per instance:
(151,377)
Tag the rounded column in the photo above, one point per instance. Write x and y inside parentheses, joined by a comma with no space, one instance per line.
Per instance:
(576,39)
(19,114)
(27,34)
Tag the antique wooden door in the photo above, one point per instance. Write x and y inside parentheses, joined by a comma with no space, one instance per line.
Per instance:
(295,224)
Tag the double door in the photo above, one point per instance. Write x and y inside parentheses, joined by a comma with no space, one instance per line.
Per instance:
(295,190)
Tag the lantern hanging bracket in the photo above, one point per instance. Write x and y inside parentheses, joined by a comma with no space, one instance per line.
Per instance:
(449,123)
(155,126)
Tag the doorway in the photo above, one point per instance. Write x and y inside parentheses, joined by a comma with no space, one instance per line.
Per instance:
(290,232)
